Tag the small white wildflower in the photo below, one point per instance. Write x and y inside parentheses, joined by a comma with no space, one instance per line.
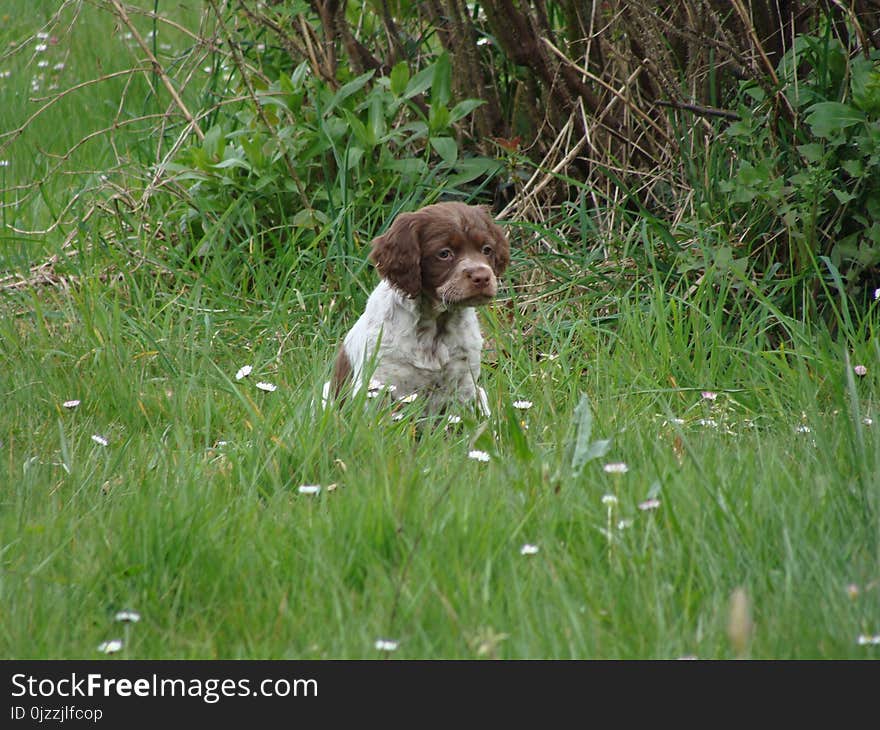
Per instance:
(40,47)
(529,549)
(609,499)
(484,41)
(453,419)
(522,405)
(860,370)
(128,617)
(617,467)
(244,371)
(867,420)
(5,75)
(624,524)
(309,489)
(58,66)
(877,294)
(865,640)
(709,395)
(42,64)
(478,455)
(386,645)
(110,647)
(267,387)
(803,428)
(207,69)
(708,422)
(649,504)
(408,398)
(70,404)
(100,440)
(42,35)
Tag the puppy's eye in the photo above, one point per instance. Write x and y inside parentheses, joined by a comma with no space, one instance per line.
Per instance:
(444,253)
(488,250)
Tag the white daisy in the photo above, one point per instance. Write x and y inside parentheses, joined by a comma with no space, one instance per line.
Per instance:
(267,387)
(649,504)
(100,440)
(860,370)
(709,395)
(617,467)
(609,499)
(478,455)
(110,647)
(528,549)
(128,617)
(70,404)
(309,489)
(865,640)
(243,372)
(386,645)
(522,405)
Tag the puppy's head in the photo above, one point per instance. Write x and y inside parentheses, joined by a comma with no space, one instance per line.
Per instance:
(452,253)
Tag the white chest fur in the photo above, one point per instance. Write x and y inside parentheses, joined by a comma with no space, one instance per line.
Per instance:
(409,344)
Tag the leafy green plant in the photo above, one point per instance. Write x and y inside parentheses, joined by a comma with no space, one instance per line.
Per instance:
(300,152)
(806,160)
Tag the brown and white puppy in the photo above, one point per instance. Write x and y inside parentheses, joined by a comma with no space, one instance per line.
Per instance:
(419,331)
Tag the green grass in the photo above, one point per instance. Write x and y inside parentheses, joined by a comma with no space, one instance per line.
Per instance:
(191,513)
(222,556)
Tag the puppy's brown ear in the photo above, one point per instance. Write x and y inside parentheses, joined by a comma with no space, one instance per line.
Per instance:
(397,255)
(502,246)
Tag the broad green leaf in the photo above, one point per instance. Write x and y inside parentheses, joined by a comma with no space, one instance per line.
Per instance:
(232,162)
(865,84)
(399,78)
(376,118)
(441,85)
(214,142)
(446,148)
(828,118)
(346,90)
(470,168)
(463,108)
(439,119)
(360,130)
(408,166)
(842,196)
(353,156)
(854,168)
(812,152)
(419,83)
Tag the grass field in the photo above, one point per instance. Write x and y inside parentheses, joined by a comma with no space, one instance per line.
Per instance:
(172,488)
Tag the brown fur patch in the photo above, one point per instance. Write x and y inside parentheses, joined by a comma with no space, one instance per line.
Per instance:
(341,371)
